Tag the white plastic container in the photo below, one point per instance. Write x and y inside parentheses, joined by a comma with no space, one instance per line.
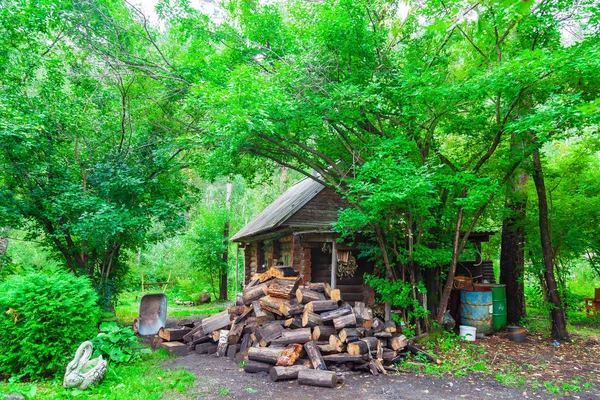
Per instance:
(468,332)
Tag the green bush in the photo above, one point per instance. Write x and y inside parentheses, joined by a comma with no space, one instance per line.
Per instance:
(43,318)
(119,345)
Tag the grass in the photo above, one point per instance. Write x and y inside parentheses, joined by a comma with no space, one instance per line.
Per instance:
(129,304)
(144,380)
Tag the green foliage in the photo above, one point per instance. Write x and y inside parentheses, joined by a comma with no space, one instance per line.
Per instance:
(44,318)
(398,294)
(119,345)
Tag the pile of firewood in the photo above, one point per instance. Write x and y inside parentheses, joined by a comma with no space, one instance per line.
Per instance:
(293,331)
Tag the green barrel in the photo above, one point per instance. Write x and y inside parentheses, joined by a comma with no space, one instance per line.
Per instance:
(499,308)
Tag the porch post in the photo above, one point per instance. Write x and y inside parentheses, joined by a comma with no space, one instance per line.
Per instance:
(333,283)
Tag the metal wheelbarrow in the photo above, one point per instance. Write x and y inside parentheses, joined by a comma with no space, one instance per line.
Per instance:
(153,313)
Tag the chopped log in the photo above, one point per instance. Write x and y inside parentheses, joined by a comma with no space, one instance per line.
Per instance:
(235,333)
(336,343)
(236,310)
(316,286)
(177,348)
(344,321)
(222,346)
(383,335)
(245,344)
(314,355)
(430,356)
(216,335)
(290,336)
(254,293)
(389,355)
(348,335)
(284,289)
(252,367)
(323,333)
(197,331)
(398,342)
(315,377)
(215,322)
(290,309)
(268,355)
(326,348)
(305,296)
(293,323)
(322,305)
(261,315)
(390,326)
(285,373)
(232,350)
(311,319)
(344,358)
(364,346)
(359,311)
(335,294)
(244,315)
(202,339)
(268,332)
(278,272)
(272,304)
(173,334)
(377,325)
(289,356)
(331,315)
(206,348)
(189,322)
(251,326)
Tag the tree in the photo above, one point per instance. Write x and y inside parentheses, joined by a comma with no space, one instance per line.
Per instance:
(86,153)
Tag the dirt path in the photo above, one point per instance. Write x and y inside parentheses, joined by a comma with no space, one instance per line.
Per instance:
(220,378)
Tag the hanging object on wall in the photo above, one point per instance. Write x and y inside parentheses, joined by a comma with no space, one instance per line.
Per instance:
(326,248)
(346,264)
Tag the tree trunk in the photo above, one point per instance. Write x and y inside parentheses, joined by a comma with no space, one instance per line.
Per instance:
(512,255)
(223,286)
(557,314)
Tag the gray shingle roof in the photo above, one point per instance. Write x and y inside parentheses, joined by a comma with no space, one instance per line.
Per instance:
(281,209)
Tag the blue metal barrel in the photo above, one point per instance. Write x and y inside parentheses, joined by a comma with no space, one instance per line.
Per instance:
(476,310)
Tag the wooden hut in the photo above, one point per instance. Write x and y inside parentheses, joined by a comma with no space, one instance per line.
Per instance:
(296,230)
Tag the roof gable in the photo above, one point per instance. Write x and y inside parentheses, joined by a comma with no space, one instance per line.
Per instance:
(281,209)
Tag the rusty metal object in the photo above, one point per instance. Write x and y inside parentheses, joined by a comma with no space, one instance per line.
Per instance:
(153,313)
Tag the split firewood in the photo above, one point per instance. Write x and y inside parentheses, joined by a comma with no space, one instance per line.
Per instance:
(285,373)
(284,289)
(364,346)
(336,343)
(377,325)
(335,294)
(293,323)
(289,355)
(344,321)
(305,296)
(235,333)
(339,312)
(390,326)
(268,332)
(261,315)
(173,334)
(290,336)
(196,331)
(348,335)
(232,351)
(321,332)
(254,293)
(344,358)
(398,342)
(319,306)
(215,322)
(278,272)
(222,346)
(383,335)
(272,304)
(311,319)
(314,355)
(317,286)
(291,308)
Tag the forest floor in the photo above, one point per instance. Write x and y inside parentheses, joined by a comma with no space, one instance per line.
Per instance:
(495,368)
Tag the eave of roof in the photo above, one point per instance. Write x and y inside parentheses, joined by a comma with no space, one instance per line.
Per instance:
(280,210)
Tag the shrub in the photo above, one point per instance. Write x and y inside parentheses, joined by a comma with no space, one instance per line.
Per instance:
(119,345)
(43,318)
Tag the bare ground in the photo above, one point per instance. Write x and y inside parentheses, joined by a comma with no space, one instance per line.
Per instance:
(219,378)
